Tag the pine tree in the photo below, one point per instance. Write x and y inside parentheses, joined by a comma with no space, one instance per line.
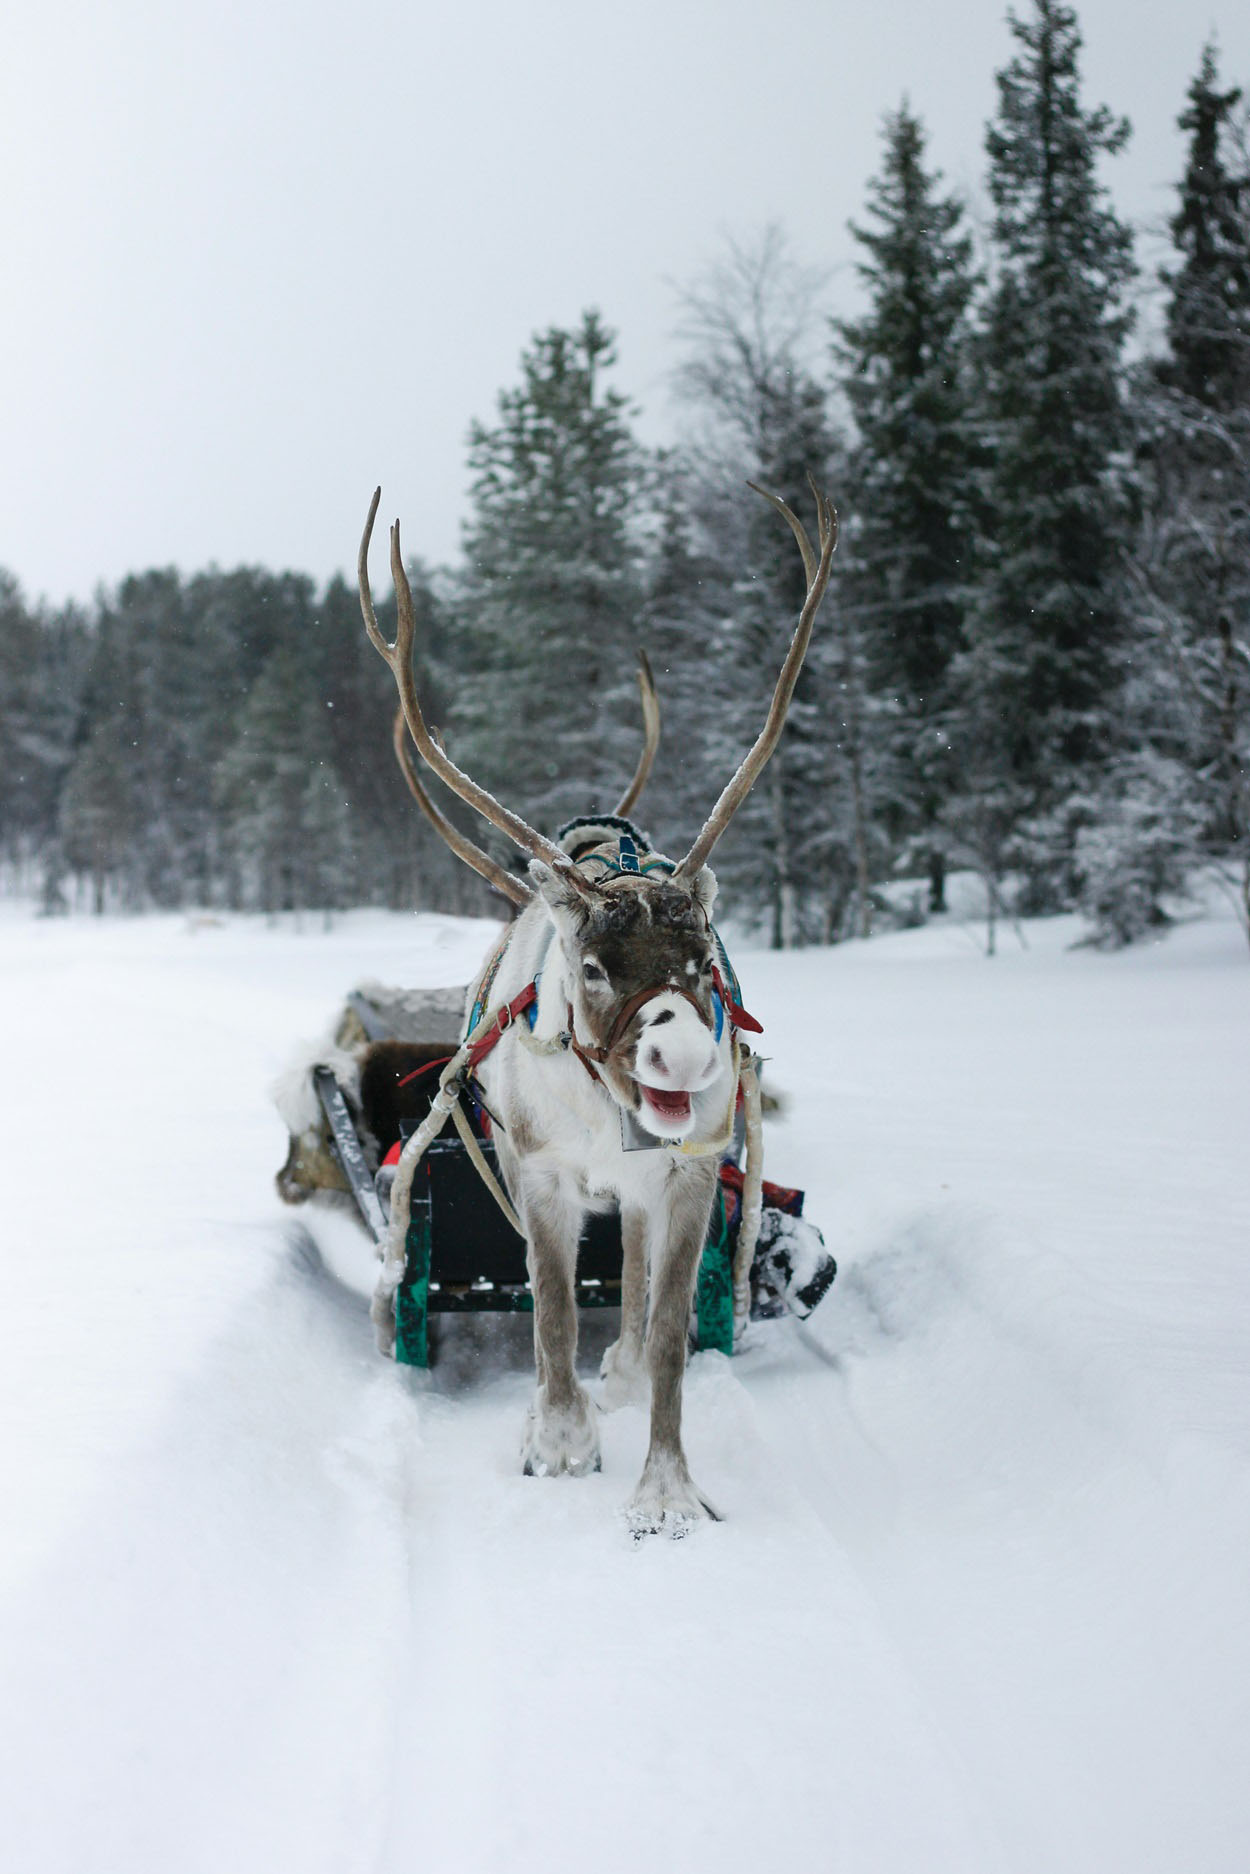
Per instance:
(153,640)
(278,789)
(103,803)
(545,630)
(905,370)
(1038,681)
(19,640)
(43,661)
(1208,312)
(98,818)
(905,374)
(326,836)
(1193,417)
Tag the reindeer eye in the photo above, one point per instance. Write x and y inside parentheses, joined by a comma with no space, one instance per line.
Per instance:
(592,972)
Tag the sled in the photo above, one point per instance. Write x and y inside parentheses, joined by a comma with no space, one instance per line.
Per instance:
(351,1107)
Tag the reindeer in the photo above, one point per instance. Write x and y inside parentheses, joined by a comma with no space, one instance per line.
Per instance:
(621,965)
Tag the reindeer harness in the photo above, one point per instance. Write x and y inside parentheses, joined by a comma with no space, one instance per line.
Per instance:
(486,1029)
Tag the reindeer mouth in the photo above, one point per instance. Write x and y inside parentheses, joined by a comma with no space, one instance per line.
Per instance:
(675,1107)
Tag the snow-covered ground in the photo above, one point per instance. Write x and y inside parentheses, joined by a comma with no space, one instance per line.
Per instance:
(981,1600)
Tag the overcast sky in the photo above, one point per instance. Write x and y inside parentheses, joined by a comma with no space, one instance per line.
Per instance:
(257,258)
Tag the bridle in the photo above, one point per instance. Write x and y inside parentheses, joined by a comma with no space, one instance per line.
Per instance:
(592,1057)
(627,865)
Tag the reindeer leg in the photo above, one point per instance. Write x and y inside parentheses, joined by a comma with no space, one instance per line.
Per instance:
(624,1368)
(666,1500)
(560,1429)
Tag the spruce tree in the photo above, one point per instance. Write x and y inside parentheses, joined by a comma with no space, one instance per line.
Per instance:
(545,630)
(1208,310)
(43,661)
(280,794)
(1038,681)
(326,834)
(104,801)
(1193,415)
(905,370)
(99,824)
(19,642)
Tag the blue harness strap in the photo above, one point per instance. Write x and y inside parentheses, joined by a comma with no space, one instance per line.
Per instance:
(626,860)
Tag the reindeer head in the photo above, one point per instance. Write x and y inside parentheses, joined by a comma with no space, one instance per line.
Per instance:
(638,949)
(638,960)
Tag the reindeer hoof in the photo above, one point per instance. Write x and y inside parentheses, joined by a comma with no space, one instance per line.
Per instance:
(667,1506)
(625,1380)
(561,1441)
(676,1521)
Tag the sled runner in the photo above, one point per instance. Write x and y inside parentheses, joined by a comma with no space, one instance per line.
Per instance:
(351,1107)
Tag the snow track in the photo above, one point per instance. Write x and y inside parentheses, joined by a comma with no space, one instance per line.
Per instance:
(207,1675)
(979,1599)
(1065,1574)
(726,1701)
(329,1626)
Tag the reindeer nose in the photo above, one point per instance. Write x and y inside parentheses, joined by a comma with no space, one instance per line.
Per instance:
(681,1056)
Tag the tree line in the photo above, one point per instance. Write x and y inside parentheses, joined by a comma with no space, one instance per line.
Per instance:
(1034,660)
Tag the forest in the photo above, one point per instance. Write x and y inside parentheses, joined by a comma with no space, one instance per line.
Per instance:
(1033,663)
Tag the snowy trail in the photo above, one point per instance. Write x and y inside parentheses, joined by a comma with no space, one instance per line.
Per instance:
(1066,1577)
(207,1674)
(980,1598)
(329,1626)
(663,1705)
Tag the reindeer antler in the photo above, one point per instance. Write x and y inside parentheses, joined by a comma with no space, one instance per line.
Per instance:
(817,570)
(398,657)
(495,874)
(651,733)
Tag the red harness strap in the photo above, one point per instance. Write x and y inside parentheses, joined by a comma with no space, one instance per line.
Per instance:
(426,1067)
(529,995)
(735,1011)
(501,1024)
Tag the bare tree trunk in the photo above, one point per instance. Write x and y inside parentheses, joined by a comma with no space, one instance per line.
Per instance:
(785,904)
(836,899)
(861,845)
(855,739)
(937,880)
(1229,701)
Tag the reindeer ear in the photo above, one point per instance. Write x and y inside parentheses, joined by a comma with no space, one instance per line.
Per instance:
(704,889)
(564,889)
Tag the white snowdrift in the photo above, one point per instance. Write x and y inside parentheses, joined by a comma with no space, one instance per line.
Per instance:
(980,1599)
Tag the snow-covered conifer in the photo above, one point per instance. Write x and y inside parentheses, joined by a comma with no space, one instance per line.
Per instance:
(907,554)
(1193,424)
(543,709)
(1039,678)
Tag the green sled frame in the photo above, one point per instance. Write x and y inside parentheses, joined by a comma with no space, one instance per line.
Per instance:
(462,1256)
